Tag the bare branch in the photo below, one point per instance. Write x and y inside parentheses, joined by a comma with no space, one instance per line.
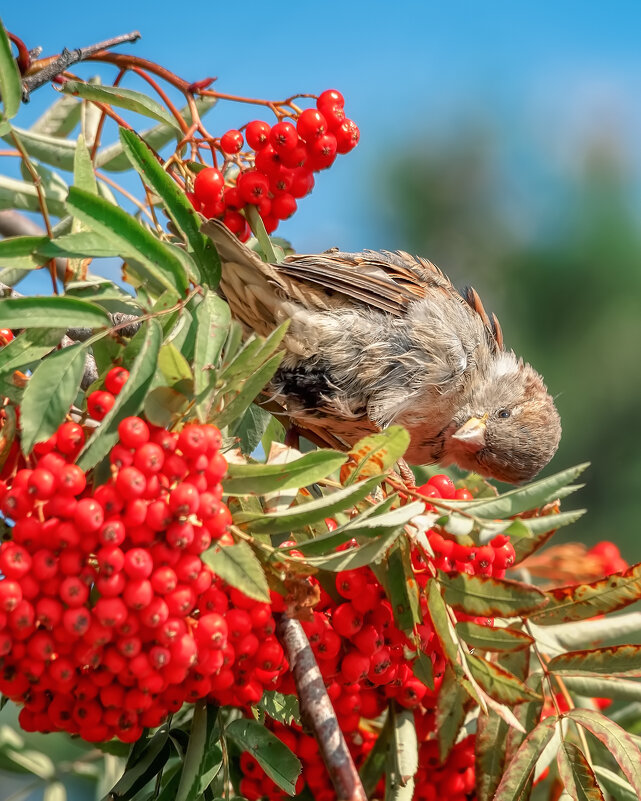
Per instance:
(68,57)
(318,713)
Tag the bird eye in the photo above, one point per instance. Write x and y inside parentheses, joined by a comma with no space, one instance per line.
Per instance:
(504,413)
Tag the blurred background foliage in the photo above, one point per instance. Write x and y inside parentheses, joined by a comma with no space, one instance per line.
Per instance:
(566,288)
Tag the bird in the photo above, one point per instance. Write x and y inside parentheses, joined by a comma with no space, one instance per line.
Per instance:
(382,338)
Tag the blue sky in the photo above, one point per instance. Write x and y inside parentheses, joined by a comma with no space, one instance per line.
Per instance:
(543,74)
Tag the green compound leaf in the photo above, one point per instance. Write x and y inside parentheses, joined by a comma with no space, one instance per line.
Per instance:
(490,597)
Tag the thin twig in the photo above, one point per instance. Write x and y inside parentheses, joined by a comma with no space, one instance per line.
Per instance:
(47,71)
(318,713)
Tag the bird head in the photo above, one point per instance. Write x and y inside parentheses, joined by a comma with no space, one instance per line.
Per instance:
(507,427)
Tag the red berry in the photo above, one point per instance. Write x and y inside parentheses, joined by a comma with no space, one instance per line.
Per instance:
(322,151)
(71,480)
(257,134)
(115,379)
(6,335)
(231,142)
(133,432)
(70,438)
(283,206)
(209,184)
(99,403)
(347,136)
(252,186)
(444,485)
(311,124)
(283,136)
(332,97)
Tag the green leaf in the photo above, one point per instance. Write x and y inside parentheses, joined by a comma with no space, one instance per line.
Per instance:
(31,761)
(49,394)
(146,343)
(618,660)
(83,244)
(238,565)
(403,756)
(48,312)
(493,638)
(489,597)
(252,354)
(582,601)
(266,249)
(259,479)
(83,174)
(499,683)
(112,158)
(19,252)
(372,769)
(604,687)
(274,757)
(212,320)
(279,707)
(522,499)
(353,558)
(54,791)
(576,773)
(160,263)
(423,669)
(182,213)
(249,391)
(151,758)
(618,742)
(48,149)
(517,779)
(173,365)
(164,405)
(618,788)
(449,713)
(28,348)
(58,119)
(249,430)
(402,588)
(377,453)
(442,625)
(10,83)
(490,745)
(203,758)
(23,196)
(121,98)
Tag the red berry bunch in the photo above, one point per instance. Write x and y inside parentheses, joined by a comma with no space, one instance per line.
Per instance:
(455,779)
(278,167)
(452,556)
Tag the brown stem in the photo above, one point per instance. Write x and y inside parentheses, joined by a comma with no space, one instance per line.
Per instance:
(103,117)
(24,56)
(163,96)
(56,66)
(318,713)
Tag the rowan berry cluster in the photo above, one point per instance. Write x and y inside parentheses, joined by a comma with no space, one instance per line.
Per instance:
(278,168)
(451,555)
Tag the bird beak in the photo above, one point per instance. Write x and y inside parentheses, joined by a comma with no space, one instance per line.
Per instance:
(472,433)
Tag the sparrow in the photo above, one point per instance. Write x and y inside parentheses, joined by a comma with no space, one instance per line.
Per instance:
(376,338)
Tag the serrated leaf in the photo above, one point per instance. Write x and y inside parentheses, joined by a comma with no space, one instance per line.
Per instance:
(160,262)
(274,757)
(375,454)
(489,597)
(582,601)
(19,252)
(182,213)
(618,742)
(10,83)
(259,479)
(121,98)
(450,712)
(49,394)
(238,566)
(492,638)
(82,244)
(131,398)
(522,499)
(499,683)
(279,707)
(576,773)
(48,312)
(517,779)
(542,528)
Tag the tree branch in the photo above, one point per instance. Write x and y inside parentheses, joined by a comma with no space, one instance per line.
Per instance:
(57,65)
(318,713)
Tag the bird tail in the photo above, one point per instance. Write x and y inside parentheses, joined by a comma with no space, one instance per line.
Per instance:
(229,247)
